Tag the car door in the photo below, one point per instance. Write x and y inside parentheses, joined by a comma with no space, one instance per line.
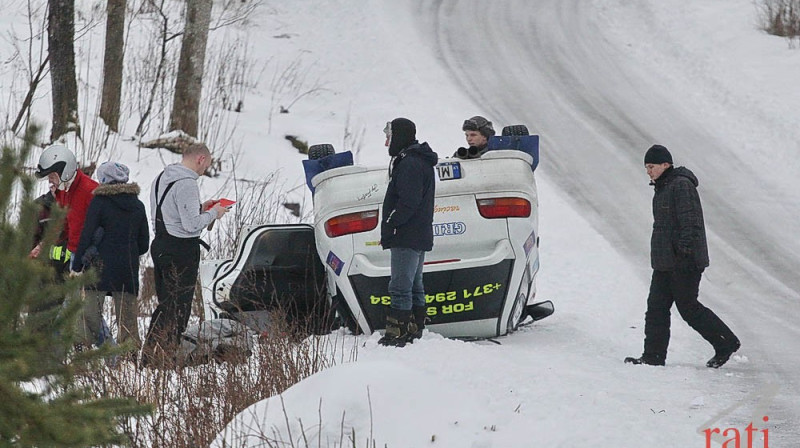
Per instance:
(275,269)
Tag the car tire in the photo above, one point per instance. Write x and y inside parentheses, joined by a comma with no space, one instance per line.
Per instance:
(517,129)
(319,151)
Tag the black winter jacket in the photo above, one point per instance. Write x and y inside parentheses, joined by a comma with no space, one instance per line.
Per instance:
(679,234)
(407,215)
(116,210)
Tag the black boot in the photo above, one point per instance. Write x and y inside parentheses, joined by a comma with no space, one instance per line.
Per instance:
(722,355)
(650,360)
(420,315)
(399,327)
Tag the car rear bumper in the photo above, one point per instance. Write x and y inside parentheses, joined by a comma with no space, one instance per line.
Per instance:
(458,299)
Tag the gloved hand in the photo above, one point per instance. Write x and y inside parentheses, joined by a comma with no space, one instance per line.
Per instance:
(73,274)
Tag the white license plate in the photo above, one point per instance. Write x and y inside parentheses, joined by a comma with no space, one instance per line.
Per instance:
(449,170)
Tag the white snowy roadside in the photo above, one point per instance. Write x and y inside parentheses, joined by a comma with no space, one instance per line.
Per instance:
(559,382)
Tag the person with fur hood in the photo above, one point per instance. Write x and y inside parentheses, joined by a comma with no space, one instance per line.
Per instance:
(116,230)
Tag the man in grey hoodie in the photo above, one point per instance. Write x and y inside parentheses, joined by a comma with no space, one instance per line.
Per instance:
(178,218)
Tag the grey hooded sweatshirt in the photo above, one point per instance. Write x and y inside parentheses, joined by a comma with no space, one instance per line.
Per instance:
(181,207)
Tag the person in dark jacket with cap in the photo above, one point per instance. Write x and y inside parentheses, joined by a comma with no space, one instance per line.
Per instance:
(407,229)
(678,255)
(116,228)
(477,131)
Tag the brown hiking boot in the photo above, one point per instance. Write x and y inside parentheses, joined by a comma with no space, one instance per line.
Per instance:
(420,314)
(399,328)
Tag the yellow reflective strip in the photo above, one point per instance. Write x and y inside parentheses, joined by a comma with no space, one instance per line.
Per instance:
(57,252)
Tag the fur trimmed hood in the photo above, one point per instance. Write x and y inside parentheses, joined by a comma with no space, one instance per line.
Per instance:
(115,189)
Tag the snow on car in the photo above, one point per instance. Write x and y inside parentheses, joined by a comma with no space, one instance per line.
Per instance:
(480,277)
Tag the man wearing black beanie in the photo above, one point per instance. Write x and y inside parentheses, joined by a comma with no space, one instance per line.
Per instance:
(657,155)
(678,256)
(407,229)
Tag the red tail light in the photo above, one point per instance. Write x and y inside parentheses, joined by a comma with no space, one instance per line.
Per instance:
(351,223)
(504,208)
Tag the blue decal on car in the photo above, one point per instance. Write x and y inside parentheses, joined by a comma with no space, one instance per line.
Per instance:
(449,228)
(335,263)
(529,243)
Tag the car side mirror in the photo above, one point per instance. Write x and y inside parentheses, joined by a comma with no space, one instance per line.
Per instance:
(539,311)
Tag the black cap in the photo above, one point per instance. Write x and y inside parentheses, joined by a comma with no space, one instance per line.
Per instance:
(657,155)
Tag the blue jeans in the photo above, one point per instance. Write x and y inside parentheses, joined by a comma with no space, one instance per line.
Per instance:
(405,286)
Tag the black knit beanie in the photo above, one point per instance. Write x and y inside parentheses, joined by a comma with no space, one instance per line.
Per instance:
(657,155)
(404,134)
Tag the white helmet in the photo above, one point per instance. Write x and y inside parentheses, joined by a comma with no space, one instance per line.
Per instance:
(57,159)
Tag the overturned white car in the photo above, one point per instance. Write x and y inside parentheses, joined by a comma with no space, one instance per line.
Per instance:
(480,277)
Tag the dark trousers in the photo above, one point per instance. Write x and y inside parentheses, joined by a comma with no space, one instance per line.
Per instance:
(61,269)
(175,264)
(681,288)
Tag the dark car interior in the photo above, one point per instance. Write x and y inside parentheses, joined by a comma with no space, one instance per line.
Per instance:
(282,273)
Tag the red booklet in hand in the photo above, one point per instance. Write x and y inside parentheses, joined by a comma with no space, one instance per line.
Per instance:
(223,202)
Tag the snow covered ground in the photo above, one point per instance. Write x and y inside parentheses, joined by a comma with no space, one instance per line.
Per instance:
(600,81)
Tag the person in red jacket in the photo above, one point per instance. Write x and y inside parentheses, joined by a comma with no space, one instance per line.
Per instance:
(72,190)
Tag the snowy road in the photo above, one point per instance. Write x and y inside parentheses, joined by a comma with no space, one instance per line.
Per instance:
(555,65)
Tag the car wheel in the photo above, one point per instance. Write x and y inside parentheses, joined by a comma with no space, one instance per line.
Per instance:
(319,151)
(517,129)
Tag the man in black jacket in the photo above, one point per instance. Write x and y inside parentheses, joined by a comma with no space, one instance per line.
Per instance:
(678,255)
(407,229)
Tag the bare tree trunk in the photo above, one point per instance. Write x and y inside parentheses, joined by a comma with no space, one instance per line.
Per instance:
(60,33)
(189,82)
(112,63)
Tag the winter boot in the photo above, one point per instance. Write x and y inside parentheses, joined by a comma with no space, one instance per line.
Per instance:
(722,355)
(650,360)
(398,328)
(420,314)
